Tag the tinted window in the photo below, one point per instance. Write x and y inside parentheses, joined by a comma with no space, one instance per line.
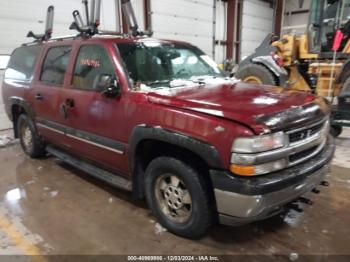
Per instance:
(55,65)
(22,63)
(92,61)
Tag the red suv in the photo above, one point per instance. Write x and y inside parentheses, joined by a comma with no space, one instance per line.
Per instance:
(160,119)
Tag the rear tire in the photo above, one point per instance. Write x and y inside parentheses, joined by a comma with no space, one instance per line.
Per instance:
(257,74)
(178,197)
(29,139)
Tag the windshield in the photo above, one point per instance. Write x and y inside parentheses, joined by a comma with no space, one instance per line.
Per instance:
(157,64)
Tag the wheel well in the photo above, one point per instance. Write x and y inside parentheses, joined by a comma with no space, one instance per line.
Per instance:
(147,150)
(16,111)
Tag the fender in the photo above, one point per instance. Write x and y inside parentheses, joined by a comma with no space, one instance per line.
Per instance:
(15,100)
(207,152)
(140,133)
(344,73)
(269,63)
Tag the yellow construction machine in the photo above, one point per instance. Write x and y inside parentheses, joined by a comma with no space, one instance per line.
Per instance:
(317,61)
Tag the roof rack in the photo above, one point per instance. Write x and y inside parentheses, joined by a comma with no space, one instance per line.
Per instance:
(92,19)
(48,27)
(89,27)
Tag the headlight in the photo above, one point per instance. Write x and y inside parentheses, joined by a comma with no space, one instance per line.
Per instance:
(259,143)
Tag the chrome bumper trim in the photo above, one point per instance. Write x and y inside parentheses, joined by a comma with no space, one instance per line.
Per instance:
(255,207)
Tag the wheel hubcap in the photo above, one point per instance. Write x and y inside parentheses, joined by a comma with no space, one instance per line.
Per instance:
(27,137)
(252,79)
(173,198)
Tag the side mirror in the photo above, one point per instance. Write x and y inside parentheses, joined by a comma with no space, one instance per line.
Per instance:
(108,85)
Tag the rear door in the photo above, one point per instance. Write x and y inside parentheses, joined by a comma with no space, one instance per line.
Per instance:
(47,93)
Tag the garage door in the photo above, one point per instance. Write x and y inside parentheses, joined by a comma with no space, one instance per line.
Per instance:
(19,16)
(257,22)
(186,20)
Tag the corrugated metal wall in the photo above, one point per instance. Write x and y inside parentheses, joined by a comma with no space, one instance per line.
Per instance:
(257,22)
(185,20)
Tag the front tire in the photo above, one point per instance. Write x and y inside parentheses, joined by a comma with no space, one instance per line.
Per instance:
(336,131)
(178,197)
(29,139)
(256,74)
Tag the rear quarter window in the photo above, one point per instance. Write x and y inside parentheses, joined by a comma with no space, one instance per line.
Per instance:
(22,63)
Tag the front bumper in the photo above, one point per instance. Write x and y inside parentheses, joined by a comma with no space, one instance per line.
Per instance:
(242,200)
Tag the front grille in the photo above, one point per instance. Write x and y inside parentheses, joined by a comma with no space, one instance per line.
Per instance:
(305,133)
(302,155)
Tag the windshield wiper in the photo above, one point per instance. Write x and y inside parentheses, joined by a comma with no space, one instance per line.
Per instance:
(167,83)
(159,82)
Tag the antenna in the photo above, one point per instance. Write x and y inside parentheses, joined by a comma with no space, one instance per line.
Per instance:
(48,27)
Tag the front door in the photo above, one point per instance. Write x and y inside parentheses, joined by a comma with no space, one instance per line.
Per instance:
(95,122)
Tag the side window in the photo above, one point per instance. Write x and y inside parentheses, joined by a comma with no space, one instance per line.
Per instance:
(22,63)
(92,61)
(55,65)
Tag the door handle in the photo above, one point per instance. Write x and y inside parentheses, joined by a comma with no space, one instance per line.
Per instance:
(39,97)
(70,102)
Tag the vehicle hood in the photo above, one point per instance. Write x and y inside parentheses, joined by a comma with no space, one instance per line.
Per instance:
(263,108)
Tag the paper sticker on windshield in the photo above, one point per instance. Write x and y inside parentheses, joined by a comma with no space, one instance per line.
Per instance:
(91,62)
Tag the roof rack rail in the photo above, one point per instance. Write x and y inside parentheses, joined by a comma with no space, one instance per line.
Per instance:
(58,38)
(48,27)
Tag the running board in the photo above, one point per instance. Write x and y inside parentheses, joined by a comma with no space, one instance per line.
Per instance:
(92,170)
